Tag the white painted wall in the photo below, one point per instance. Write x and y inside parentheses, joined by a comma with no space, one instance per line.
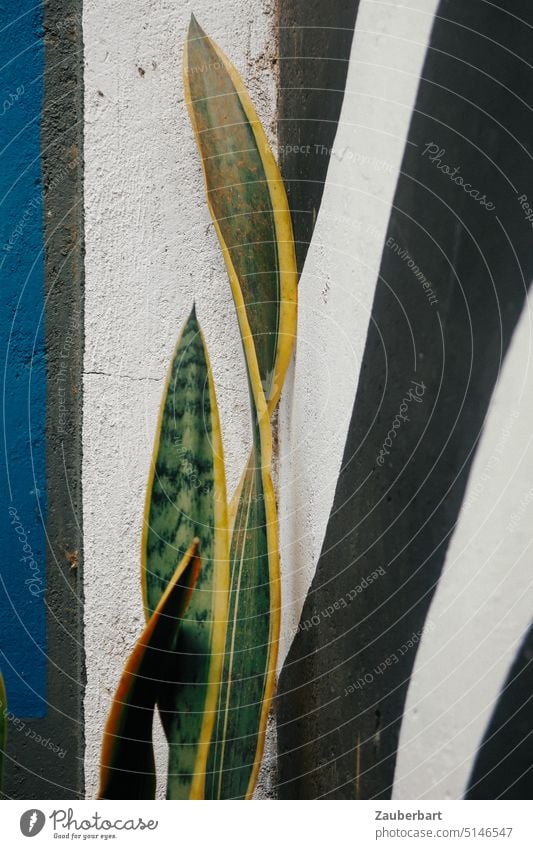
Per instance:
(150,250)
(338,283)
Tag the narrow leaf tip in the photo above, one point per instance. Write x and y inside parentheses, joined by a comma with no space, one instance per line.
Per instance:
(195,30)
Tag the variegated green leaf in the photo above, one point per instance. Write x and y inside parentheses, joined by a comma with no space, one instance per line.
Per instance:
(127,765)
(187,497)
(248,203)
(251,640)
(249,207)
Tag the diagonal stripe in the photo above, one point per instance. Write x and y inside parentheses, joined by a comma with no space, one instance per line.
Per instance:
(457,227)
(483,603)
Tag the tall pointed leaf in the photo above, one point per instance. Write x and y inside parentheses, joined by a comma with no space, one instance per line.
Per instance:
(252,637)
(248,204)
(186,497)
(127,763)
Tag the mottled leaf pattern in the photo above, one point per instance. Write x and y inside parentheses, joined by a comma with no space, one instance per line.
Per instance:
(248,203)
(251,641)
(187,498)
(247,200)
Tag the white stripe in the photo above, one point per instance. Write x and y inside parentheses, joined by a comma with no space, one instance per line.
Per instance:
(338,283)
(484,601)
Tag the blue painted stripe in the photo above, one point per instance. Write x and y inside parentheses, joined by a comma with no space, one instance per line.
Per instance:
(23,481)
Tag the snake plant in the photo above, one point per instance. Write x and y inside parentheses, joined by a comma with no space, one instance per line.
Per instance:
(207,657)
(128,766)
(248,204)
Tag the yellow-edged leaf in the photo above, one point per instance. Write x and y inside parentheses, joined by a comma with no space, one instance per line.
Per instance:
(248,204)
(127,769)
(249,207)
(186,497)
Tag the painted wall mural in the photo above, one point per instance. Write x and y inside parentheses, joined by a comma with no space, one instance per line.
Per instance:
(295,564)
(429,368)
(41,329)
(24,510)
(224,595)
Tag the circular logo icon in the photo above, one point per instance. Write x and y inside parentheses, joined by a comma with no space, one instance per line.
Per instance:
(32,822)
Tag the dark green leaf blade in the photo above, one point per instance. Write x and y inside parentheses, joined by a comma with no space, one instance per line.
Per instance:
(127,762)
(187,497)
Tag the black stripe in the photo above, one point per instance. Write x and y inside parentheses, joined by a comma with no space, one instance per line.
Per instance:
(504,764)
(315,41)
(402,518)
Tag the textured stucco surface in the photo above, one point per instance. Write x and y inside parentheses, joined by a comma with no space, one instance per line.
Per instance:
(150,251)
